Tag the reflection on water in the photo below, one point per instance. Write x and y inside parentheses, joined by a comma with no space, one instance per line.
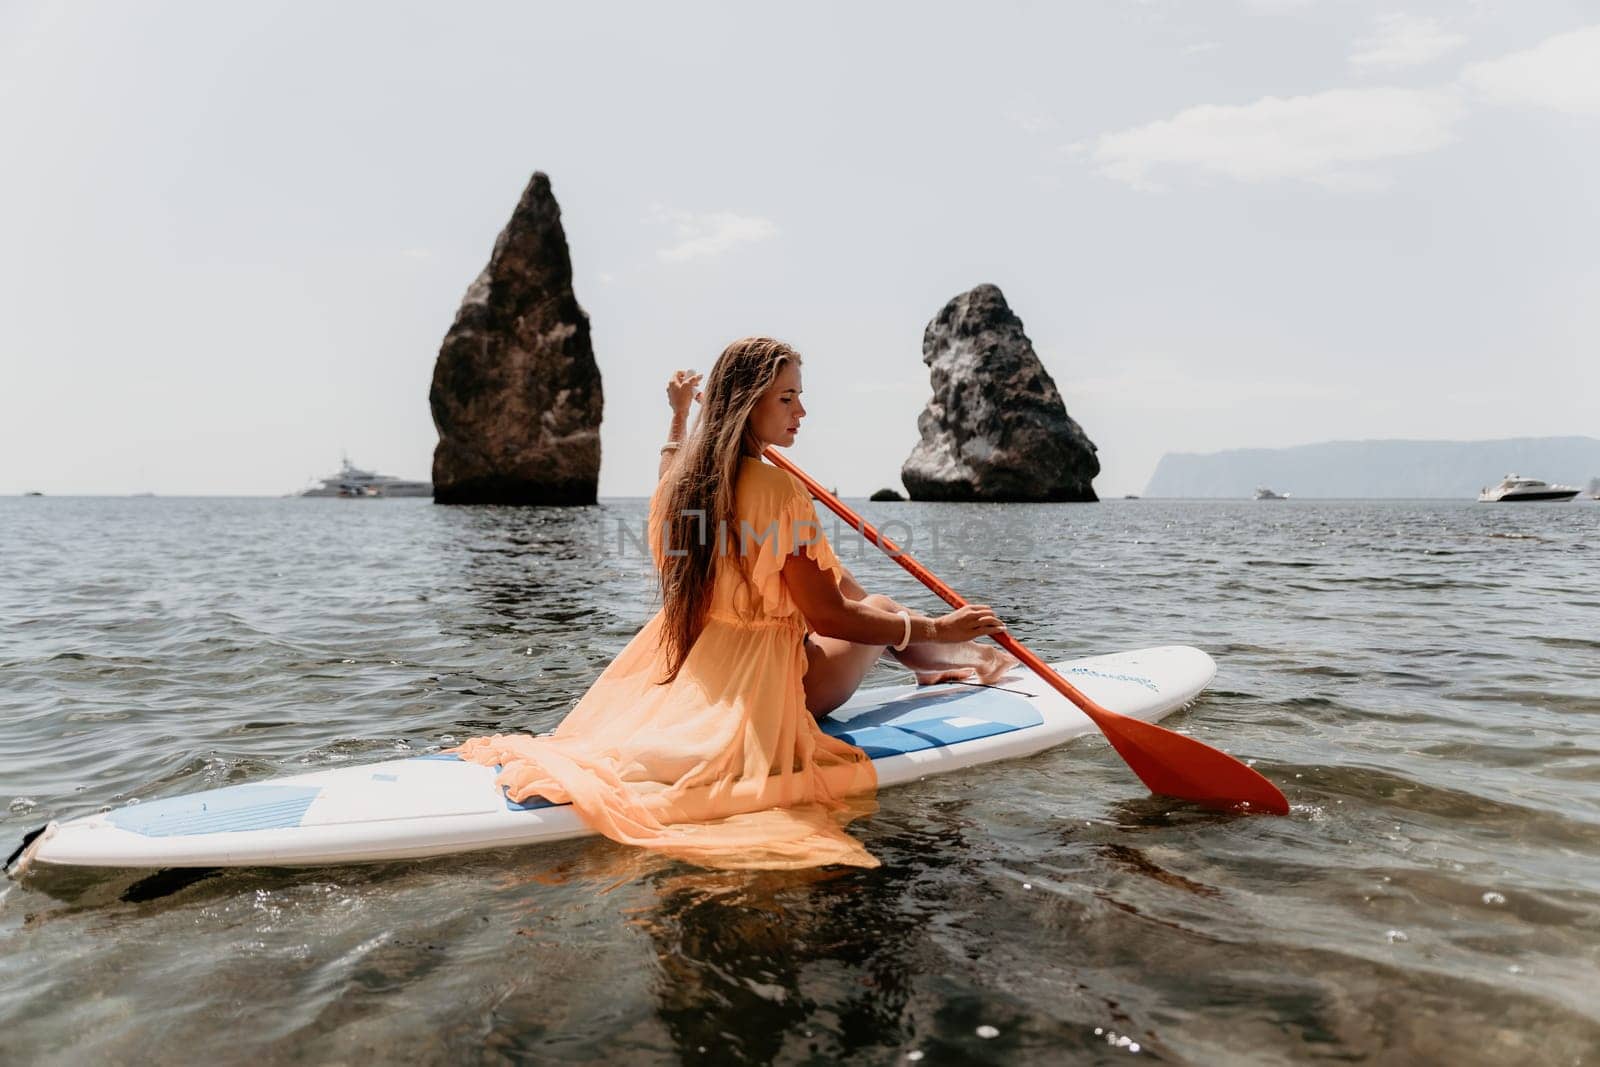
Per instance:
(1435,895)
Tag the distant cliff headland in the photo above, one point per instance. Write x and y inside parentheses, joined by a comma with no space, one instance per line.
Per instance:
(1387,469)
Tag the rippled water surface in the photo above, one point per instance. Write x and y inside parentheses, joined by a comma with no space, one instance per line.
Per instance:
(1420,678)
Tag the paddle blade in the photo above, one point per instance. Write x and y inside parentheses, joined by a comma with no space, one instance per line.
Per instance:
(1175,765)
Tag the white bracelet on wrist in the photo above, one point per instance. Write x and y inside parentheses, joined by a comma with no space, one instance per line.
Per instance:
(906,640)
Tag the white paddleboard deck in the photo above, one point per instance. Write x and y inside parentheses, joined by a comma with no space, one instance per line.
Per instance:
(435,805)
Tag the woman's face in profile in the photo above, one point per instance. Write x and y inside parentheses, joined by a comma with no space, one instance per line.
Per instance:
(776,417)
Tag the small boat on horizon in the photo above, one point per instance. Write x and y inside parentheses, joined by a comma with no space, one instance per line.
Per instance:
(1515,489)
(1263,493)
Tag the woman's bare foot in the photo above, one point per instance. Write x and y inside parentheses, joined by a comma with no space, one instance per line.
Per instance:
(1000,663)
(954,674)
(965,662)
(994,664)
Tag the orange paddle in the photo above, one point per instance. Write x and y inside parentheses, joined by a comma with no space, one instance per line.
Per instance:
(1169,763)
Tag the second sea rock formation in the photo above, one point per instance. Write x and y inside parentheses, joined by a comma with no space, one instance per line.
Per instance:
(996,428)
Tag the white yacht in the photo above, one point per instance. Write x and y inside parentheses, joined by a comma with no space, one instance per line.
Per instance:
(1263,493)
(352,481)
(1514,488)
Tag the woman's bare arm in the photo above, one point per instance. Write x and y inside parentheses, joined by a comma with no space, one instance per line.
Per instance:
(674,435)
(682,390)
(832,614)
(849,586)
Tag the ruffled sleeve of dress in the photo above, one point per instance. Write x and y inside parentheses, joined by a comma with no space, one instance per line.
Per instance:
(779,523)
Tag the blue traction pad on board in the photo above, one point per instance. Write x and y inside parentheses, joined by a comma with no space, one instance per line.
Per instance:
(942,716)
(236,807)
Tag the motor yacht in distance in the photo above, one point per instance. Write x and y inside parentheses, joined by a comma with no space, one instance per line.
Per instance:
(352,481)
(1514,488)
(1263,493)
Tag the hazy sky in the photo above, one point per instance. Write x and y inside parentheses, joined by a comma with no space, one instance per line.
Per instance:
(232,235)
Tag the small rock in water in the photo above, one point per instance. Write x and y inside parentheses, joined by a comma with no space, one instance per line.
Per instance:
(986,1032)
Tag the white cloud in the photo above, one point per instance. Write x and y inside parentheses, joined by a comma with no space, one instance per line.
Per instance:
(1560,72)
(1325,137)
(710,234)
(1400,40)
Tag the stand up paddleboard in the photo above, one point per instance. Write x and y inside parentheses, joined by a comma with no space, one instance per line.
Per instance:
(437,804)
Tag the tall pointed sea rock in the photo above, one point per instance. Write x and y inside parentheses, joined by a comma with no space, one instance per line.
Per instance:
(996,428)
(516,392)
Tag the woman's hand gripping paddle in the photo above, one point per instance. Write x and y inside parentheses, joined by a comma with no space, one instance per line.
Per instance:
(1170,763)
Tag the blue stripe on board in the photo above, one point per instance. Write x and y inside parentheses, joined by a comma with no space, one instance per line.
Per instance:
(238,807)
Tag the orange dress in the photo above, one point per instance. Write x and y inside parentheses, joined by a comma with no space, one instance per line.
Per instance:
(722,766)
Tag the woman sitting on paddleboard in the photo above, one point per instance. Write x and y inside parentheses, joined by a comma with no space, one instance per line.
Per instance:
(701,738)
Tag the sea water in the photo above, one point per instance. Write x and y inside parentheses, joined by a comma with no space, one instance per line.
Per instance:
(1419,677)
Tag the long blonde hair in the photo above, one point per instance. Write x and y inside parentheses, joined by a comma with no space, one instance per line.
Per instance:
(700,496)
